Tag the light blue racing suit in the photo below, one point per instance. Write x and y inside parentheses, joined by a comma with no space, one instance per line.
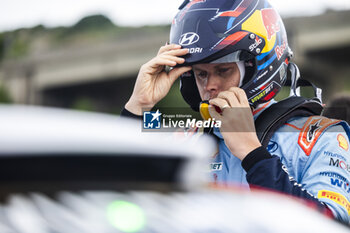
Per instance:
(315,155)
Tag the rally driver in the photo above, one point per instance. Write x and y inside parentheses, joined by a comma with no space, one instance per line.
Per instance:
(235,54)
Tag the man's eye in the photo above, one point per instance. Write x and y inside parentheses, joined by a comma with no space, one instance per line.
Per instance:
(202,75)
(223,70)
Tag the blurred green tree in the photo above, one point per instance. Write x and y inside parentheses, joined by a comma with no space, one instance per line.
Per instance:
(83,104)
(92,22)
(2,46)
(17,43)
(5,95)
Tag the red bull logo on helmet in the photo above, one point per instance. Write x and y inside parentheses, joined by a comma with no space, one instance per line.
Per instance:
(265,23)
(280,50)
(271,22)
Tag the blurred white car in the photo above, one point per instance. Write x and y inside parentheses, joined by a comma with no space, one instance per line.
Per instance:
(65,171)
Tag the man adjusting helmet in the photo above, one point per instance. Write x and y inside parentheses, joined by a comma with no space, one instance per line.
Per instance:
(234,56)
(249,32)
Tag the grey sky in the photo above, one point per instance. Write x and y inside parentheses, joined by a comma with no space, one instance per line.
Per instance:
(27,13)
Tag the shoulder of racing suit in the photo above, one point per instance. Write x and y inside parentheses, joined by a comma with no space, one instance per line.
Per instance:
(315,151)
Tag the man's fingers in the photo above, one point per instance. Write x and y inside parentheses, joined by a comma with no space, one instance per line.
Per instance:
(176,72)
(176,52)
(168,55)
(213,113)
(165,60)
(240,95)
(219,102)
(168,47)
(178,60)
(230,97)
(157,63)
(243,97)
(219,105)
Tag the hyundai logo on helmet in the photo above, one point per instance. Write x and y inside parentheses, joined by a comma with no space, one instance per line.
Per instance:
(188,38)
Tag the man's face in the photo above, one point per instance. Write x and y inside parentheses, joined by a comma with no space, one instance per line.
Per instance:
(212,79)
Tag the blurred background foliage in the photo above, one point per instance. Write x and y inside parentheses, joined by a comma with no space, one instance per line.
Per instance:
(93,64)
(5,95)
(90,29)
(23,53)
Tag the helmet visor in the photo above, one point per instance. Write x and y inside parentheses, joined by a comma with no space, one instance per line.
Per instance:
(232,57)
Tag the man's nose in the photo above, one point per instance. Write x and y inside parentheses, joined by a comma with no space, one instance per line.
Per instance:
(213,84)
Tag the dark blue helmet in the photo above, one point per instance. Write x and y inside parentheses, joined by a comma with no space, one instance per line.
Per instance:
(221,31)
